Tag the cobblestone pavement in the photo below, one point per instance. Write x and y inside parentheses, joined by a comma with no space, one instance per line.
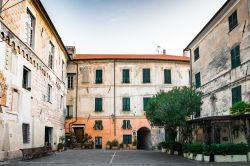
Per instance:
(116,158)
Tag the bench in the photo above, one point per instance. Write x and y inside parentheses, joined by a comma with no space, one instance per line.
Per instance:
(30,153)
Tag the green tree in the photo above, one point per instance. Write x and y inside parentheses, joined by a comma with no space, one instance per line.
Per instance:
(170,109)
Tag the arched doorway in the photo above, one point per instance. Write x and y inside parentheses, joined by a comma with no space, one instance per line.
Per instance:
(144,138)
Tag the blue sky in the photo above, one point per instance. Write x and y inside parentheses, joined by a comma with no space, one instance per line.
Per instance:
(130,26)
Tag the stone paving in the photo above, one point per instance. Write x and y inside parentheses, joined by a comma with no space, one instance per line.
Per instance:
(116,158)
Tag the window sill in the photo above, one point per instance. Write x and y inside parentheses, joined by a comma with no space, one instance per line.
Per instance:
(28,89)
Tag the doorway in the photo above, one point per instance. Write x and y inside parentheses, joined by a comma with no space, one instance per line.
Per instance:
(79,133)
(144,138)
(98,142)
(48,136)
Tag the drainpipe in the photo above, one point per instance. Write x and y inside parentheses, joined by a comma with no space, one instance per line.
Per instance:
(191,73)
(76,96)
(114,103)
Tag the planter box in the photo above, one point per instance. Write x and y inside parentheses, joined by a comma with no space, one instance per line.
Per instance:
(163,150)
(185,155)
(199,157)
(230,158)
(115,147)
(134,147)
(176,153)
(239,158)
(206,158)
(168,151)
(190,156)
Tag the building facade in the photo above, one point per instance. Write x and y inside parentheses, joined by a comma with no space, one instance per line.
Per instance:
(32,79)
(220,65)
(108,94)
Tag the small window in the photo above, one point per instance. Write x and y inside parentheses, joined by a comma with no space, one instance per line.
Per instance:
(125,76)
(198,80)
(236,94)
(98,79)
(49,93)
(196,54)
(145,103)
(126,104)
(233,21)
(235,57)
(26,133)
(70,81)
(69,111)
(127,139)
(26,78)
(146,75)
(30,29)
(98,104)
(98,125)
(126,124)
(167,76)
(51,55)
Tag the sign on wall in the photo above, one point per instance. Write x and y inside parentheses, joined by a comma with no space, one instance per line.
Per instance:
(3,90)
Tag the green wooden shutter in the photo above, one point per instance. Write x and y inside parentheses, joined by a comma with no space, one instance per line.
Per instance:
(236,95)
(235,57)
(167,76)
(98,76)
(197,80)
(196,54)
(127,139)
(98,104)
(126,104)
(146,75)
(145,103)
(125,73)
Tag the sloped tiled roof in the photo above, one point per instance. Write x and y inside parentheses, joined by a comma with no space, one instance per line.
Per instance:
(131,57)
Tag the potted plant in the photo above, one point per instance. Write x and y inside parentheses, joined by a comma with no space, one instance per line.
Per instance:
(108,145)
(198,151)
(128,146)
(115,144)
(60,147)
(134,144)
(121,145)
(206,153)
(163,147)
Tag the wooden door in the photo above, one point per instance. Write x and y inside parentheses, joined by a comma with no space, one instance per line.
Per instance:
(79,132)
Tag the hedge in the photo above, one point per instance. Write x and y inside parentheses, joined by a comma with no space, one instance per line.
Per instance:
(229,149)
(193,148)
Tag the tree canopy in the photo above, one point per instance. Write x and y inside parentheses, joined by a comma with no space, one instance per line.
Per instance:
(170,109)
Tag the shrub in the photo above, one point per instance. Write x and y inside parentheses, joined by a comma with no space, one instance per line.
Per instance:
(115,142)
(207,150)
(134,143)
(176,146)
(193,148)
(229,149)
(108,143)
(60,146)
(240,107)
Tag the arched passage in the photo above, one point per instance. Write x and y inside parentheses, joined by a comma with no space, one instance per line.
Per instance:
(144,138)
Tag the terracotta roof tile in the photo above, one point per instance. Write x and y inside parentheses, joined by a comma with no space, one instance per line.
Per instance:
(131,56)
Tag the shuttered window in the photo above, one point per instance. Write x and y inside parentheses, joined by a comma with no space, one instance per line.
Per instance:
(126,104)
(26,133)
(145,103)
(69,111)
(127,139)
(235,57)
(98,125)
(98,79)
(146,75)
(125,76)
(196,54)
(167,76)
(197,80)
(70,81)
(126,124)
(98,104)
(236,94)
(233,21)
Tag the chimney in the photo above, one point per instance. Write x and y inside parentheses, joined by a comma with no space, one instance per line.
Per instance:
(164,51)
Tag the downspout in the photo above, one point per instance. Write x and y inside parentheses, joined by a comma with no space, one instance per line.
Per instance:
(191,73)
(114,103)
(76,101)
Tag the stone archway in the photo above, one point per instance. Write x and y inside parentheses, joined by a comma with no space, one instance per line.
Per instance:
(144,138)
